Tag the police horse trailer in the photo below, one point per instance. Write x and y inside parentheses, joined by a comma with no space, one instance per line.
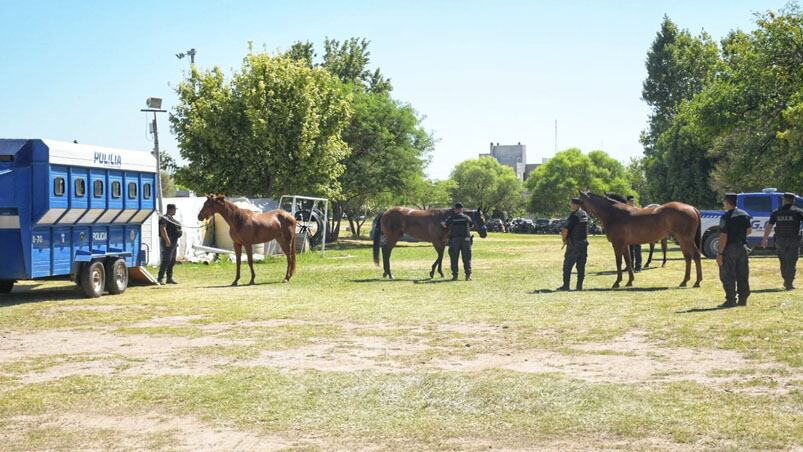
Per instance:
(73,211)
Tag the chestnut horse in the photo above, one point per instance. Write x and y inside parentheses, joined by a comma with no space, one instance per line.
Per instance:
(623,200)
(626,225)
(248,228)
(423,225)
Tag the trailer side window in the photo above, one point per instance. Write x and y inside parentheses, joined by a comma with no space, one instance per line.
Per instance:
(97,189)
(117,189)
(758,203)
(80,187)
(132,190)
(58,186)
(146,191)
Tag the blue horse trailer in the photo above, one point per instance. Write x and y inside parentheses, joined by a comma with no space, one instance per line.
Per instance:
(73,210)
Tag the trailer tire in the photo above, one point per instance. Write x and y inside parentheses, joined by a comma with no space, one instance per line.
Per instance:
(93,279)
(711,245)
(116,277)
(6,286)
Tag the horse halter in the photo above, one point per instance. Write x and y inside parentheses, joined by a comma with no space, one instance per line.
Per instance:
(475,218)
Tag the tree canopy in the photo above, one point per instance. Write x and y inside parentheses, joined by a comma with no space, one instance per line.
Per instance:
(486,184)
(553,184)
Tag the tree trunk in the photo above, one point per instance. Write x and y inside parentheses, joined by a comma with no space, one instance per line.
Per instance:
(354,231)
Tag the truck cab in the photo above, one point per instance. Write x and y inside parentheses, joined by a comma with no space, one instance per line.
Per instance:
(758,205)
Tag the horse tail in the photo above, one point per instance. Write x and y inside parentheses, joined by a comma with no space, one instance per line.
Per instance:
(293,248)
(698,237)
(376,234)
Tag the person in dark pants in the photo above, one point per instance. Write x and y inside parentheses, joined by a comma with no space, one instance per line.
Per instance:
(787,237)
(635,250)
(169,233)
(575,239)
(459,225)
(734,269)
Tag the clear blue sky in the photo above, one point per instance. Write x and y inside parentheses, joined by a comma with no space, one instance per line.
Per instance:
(479,71)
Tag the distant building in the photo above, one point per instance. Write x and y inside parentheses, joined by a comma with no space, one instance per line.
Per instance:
(512,155)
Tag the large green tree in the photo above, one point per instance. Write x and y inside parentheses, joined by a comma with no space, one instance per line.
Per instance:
(273,128)
(486,184)
(553,184)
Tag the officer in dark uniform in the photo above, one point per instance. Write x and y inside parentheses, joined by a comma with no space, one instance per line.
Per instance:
(459,225)
(734,270)
(169,233)
(787,237)
(575,238)
(635,250)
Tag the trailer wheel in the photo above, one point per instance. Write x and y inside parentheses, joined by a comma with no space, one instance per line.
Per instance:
(6,286)
(93,279)
(116,277)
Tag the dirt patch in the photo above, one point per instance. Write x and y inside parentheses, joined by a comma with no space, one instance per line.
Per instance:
(101,353)
(346,355)
(185,433)
(90,308)
(173,321)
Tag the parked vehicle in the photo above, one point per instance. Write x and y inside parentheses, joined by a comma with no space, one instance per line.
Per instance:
(495,225)
(757,205)
(542,226)
(73,211)
(522,226)
(555,225)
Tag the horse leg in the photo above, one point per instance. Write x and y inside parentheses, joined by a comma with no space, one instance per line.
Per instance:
(440,260)
(249,252)
(435,265)
(629,266)
(696,256)
(238,250)
(386,250)
(663,248)
(649,258)
(686,250)
(287,249)
(618,252)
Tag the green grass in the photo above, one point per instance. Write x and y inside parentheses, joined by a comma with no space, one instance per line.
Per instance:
(509,307)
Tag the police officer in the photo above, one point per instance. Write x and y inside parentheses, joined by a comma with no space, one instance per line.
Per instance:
(635,250)
(787,237)
(169,233)
(575,238)
(459,225)
(734,270)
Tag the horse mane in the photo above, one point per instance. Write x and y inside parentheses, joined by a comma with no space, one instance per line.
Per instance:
(616,197)
(233,213)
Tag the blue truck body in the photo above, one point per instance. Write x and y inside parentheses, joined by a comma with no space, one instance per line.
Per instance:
(65,204)
(758,205)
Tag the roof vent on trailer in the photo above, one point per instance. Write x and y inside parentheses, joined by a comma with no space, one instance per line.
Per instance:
(769,190)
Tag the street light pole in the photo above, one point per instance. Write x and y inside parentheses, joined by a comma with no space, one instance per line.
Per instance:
(154,106)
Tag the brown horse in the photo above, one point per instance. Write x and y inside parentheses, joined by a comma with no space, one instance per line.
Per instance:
(619,198)
(248,228)
(626,225)
(423,225)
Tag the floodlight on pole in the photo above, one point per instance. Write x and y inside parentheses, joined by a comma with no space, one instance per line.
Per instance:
(154,105)
(190,53)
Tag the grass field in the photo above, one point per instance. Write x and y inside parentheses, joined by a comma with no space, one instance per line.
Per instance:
(341,359)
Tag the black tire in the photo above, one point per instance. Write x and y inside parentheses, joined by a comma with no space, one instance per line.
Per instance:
(6,286)
(309,219)
(711,245)
(116,277)
(93,279)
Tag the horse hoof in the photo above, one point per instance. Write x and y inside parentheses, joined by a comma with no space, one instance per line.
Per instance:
(390,277)
(683,284)
(251,283)
(431,275)
(234,284)
(630,284)
(696,285)
(615,286)
(285,280)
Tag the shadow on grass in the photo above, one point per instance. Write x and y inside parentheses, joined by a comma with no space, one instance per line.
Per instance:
(773,290)
(433,281)
(31,294)
(370,280)
(693,310)
(223,286)
(599,289)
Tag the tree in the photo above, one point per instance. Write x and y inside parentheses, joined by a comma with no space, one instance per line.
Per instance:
(487,185)
(678,67)
(553,184)
(274,128)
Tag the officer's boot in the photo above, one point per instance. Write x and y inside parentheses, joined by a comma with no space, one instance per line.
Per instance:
(468,276)
(579,284)
(454,276)
(565,285)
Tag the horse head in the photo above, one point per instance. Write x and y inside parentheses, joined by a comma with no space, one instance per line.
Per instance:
(479,223)
(213,204)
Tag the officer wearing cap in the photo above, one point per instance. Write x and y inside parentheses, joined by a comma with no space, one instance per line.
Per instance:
(575,239)
(635,249)
(459,225)
(734,270)
(169,233)
(787,237)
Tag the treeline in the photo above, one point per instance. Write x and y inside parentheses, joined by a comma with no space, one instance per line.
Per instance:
(725,116)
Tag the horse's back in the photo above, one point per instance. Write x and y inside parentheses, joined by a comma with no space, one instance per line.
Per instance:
(418,223)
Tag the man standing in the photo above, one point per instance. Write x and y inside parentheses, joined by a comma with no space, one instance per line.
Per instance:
(635,249)
(575,239)
(459,225)
(734,271)
(169,233)
(787,237)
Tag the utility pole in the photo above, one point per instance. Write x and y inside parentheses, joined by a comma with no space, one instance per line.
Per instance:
(190,53)
(556,136)
(155,106)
